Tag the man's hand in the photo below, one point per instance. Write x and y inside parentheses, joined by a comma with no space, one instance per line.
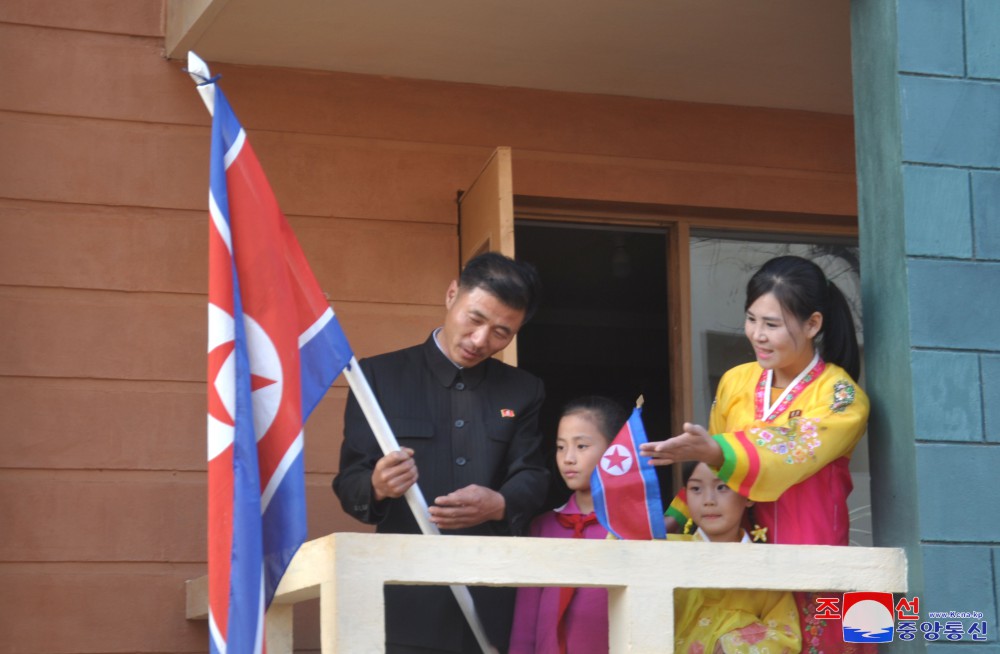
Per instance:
(468,507)
(694,444)
(394,473)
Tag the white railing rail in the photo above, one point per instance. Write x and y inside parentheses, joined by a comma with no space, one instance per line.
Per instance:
(347,572)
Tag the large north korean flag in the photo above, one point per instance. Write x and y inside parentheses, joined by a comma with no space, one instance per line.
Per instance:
(274,348)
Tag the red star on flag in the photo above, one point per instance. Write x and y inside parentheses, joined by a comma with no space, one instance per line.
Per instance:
(217,358)
(615,458)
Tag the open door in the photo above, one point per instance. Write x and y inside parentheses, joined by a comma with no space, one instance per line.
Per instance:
(486,219)
(616,292)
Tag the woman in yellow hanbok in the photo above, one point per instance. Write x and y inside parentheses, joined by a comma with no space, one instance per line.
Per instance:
(783,427)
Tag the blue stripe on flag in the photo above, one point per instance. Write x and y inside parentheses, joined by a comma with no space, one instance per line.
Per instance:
(322,359)
(247,556)
(284,531)
(651,484)
(225,129)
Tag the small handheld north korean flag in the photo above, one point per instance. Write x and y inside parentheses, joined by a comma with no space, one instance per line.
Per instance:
(624,486)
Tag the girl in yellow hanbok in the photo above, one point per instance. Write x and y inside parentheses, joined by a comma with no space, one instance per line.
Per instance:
(716,621)
(782,428)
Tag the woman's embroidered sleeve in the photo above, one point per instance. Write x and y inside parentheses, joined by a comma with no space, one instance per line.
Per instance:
(762,460)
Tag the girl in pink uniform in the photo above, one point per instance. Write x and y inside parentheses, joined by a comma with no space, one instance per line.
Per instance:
(571,620)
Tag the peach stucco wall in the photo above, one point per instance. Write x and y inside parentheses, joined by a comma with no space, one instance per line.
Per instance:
(103,186)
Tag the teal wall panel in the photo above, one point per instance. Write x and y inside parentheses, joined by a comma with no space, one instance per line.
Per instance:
(986,213)
(990,365)
(955,575)
(996,589)
(949,121)
(931,37)
(959,305)
(938,207)
(947,404)
(982,44)
(957,500)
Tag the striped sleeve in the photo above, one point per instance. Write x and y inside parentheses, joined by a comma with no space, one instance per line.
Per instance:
(678,509)
(741,462)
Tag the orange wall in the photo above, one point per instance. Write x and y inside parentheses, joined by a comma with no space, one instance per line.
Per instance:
(103,187)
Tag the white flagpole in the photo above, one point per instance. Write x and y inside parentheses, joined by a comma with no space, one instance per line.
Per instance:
(418,505)
(198,70)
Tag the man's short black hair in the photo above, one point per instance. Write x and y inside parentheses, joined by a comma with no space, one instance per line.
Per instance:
(515,283)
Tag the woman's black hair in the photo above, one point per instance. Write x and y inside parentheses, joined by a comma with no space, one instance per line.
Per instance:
(608,415)
(801,287)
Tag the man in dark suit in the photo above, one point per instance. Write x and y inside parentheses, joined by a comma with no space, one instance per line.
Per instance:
(468,424)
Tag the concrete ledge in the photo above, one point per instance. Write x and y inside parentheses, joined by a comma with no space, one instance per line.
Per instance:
(347,572)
